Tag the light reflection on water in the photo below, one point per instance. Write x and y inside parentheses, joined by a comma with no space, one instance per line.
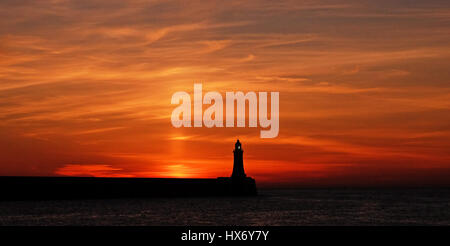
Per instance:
(272,207)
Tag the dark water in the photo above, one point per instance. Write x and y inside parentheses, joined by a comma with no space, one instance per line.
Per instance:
(272,207)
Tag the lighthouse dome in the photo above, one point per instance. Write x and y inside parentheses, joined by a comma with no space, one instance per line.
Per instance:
(237,145)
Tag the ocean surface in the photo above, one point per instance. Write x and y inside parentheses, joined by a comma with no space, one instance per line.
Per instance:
(271,207)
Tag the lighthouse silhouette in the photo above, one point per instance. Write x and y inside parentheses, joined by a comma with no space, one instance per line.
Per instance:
(238,166)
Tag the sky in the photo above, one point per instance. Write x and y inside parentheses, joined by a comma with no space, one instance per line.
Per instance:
(86,86)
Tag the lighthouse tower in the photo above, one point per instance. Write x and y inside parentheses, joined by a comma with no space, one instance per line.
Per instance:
(238,166)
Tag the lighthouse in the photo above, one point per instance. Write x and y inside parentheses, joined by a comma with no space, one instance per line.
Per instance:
(238,166)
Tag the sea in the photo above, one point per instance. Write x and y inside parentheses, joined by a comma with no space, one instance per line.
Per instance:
(272,207)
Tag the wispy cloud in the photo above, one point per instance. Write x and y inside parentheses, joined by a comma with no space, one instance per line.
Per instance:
(358,79)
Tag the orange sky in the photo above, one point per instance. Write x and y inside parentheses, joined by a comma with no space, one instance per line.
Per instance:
(85,88)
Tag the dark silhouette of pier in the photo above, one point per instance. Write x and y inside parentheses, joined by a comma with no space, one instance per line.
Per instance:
(43,188)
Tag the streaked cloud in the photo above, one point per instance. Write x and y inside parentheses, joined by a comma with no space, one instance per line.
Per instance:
(363,86)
